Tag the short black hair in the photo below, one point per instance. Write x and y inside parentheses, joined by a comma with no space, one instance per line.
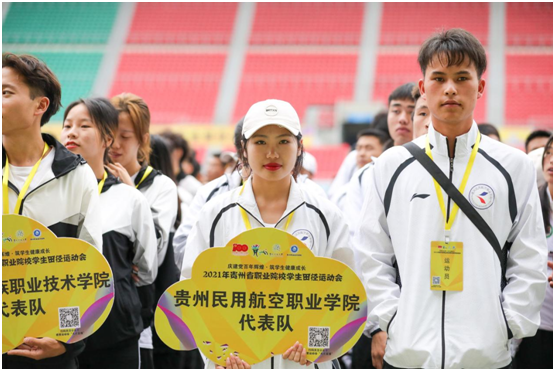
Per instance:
(238,135)
(536,134)
(416,95)
(455,45)
(380,123)
(176,141)
(403,92)
(373,133)
(39,78)
(488,129)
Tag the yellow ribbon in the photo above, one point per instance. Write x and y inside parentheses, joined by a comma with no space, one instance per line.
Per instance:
(101,183)
(246,220)
(453,214)
(147,172)
(25,185)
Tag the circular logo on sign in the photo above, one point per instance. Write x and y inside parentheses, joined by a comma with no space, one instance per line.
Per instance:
(294,249)
(481,196)
(271,111)
(305,236)
(36,233)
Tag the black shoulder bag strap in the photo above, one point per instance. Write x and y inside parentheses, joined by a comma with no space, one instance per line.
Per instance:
(465,206)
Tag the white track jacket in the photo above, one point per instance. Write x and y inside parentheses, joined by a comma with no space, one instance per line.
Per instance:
(400,218)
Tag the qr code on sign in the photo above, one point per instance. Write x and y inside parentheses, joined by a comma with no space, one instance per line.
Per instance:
(435,280)
(69,317)
(318,337)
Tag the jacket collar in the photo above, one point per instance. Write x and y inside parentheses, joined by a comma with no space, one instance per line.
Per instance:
(109,182)
(247,201)
(463,146)
(64,160)
(149,179)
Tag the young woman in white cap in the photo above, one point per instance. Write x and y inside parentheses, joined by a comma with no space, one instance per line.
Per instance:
(272,148)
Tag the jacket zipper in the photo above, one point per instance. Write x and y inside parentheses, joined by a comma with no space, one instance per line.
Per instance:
(451,160)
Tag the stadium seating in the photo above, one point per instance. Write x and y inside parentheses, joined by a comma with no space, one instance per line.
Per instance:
(412,23)
(529,93)
(76,73)
(530,24)
(305,53)
(59,23)
(329,159)
(301,79)
(179,87)
(183,23)
(307,23)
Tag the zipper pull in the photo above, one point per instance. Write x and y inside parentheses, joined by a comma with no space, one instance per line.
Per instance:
(451,164)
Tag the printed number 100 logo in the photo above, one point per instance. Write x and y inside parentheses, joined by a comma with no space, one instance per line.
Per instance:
(239,249)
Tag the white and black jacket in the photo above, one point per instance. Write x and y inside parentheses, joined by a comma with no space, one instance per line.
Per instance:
(207,192)
(67,203)
(161,194)
(400,218)
(316,218)
(129,238)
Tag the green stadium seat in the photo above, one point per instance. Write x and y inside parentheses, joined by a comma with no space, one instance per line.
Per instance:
(59,23)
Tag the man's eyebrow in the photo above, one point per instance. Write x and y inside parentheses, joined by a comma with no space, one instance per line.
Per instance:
(8,86)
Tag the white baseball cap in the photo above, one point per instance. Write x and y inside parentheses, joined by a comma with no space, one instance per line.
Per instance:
(309,163)
(271,112)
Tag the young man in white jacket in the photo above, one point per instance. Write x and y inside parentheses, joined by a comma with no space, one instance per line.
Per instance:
(467,325)
(61,193)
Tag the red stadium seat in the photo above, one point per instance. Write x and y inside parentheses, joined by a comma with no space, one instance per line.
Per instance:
(412,23)
(307,23)
(178,87)
(530,24)
(183,23)
(529,93)
(301,79)
(329,159)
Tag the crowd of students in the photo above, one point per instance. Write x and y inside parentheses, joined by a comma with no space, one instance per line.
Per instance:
(138,199)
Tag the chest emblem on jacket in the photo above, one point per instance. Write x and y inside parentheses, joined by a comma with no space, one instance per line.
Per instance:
(305,236)
(481,196)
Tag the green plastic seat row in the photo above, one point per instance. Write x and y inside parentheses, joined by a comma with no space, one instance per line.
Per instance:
(59,23)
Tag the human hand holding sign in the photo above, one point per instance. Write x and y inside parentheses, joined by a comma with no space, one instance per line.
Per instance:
(259,295)
(38,349)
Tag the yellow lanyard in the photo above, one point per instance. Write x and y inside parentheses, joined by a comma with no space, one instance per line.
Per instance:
(147,172)
(246,217)
(101,183)
(25,185)
(449,223)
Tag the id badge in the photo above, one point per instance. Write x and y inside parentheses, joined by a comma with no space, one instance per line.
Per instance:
(446,272)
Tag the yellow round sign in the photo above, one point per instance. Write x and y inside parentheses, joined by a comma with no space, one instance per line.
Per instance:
(60,288)
(259,295)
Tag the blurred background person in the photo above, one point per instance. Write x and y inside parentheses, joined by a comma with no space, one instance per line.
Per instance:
(537,351)
(310,166)
(421,118)
(215,167)
(537,139)
(489,130)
